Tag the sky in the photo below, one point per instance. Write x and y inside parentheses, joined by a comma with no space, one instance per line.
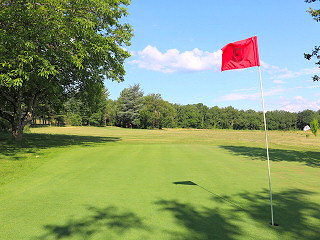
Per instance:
(176,52)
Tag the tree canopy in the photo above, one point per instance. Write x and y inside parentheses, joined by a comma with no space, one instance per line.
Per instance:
(54,47)
(129,105)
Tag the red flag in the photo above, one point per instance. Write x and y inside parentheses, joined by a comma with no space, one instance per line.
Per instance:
(241,54)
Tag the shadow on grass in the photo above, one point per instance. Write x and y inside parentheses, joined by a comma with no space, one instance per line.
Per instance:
(226,200)
(108,221)
(297,216)
(309,158)
(201,223)
(33,142)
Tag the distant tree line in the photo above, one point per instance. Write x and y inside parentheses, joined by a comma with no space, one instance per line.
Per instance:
(133,109)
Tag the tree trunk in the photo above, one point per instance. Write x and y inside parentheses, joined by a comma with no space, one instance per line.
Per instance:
(22,110)
(17,129)
(18,123)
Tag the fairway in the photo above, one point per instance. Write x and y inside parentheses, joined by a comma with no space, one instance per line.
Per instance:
(172,184)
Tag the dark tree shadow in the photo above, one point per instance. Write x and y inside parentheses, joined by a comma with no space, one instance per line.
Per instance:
(33,142)
(295,214)
(108,220)
(309,158)
(201,223)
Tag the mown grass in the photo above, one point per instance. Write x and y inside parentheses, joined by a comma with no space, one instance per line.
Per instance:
(112,183)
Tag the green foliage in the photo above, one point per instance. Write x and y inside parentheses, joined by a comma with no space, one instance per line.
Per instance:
(156,113)
(282,120)
(249,119)
(40,40)
(129,106)
(96,119)
(51,48)
(74,119)
(78,111)
(314,125)
(132,109)
(305,117)
(111,112)
(192,115)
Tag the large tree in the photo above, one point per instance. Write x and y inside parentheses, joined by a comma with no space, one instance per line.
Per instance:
(54,47)
(315,13)
(129,105)
(156,112)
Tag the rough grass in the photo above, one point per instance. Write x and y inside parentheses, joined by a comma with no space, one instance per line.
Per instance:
(183,184)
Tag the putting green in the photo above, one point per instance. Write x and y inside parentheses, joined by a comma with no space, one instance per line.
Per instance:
(171,184)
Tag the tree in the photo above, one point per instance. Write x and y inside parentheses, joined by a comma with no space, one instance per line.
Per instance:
(74,109)
(181,117)
(49,48)
(100,111)
(189,116)
(304,118)
(203,110)
(156,112)
(228,117)
(283,120)
(111,112)
(249,119)
(315,13)
(129,106)
(214,117)
(314,125)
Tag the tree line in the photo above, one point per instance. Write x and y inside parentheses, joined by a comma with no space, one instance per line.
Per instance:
(133,109)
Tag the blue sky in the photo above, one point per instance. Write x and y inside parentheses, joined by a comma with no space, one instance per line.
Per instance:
(176,52)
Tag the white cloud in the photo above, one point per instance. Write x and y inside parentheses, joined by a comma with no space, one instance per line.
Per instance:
(250,96)
(299,98)
(299,103)
(174,61)
(245,89)
(285,73)
(197,60)
(271,69)
(279,81)
(239,96)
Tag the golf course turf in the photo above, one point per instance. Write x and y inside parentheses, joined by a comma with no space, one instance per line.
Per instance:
(177,184)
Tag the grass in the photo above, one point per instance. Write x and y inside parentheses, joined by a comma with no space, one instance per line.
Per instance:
(181,184)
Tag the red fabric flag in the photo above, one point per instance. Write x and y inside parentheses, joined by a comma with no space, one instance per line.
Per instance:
(241,54)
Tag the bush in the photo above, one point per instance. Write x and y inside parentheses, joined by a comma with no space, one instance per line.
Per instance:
(74,119)
(95,119)
(314,125)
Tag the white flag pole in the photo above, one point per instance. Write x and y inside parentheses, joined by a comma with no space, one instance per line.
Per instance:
(267,146)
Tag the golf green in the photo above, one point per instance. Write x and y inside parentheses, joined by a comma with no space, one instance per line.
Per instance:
(110,183)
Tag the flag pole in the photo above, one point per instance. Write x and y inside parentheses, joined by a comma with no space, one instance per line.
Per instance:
(267,146)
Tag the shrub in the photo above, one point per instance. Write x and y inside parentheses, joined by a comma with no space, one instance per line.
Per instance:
(74,119)
(314,125)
